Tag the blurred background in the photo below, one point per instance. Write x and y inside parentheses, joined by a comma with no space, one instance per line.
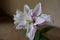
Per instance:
(8,9)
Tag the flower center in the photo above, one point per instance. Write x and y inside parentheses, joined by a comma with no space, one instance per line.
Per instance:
(28,21)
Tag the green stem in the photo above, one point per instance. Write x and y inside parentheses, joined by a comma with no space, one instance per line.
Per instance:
(39,35)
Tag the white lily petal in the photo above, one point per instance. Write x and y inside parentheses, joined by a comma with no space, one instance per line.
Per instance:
(30,12)
(47,18)
(17,11)
(26,8)
(19,17)
(28,27)
(19,26)
(31,32)
(37,10)
(21,21)
(16,19)
(39,20)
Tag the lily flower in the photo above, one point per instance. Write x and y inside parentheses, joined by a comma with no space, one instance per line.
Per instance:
(30,18)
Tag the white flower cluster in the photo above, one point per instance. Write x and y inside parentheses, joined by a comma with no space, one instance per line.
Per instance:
(30,18)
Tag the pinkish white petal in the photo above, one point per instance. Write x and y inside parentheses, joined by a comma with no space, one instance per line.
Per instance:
(31,32)
(39,20)
(30,13)
(26,8)
(47,18)
(18,17)
(37,10)
(20,26)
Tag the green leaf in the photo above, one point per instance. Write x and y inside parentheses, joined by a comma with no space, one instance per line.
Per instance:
(24,32)
(46,29)
(37,35)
